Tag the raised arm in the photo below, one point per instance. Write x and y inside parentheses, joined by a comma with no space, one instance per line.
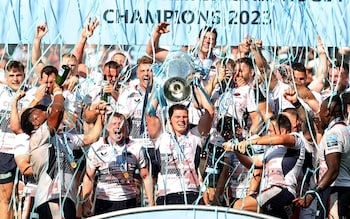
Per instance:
(87,32)
(154,125)
(218,78)
(322,67)
(291,96)
(41,31)
(15,123)
(152,48)
(57,110)
(205,122)
(307,96)
(260,61)
(92,135)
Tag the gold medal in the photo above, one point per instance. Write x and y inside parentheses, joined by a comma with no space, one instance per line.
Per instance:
(73,164)
(126,175)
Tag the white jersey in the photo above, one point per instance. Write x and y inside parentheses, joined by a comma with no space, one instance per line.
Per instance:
(336,139)
(116,166)
(21,148)
(130,103)
(51,158)
(7,136)
(236,103)
(240,174)
(283,165)
(178,162)
(89,91)
(276,100)
(207,66)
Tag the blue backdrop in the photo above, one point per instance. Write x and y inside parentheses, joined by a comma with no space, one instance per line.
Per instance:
(125,22)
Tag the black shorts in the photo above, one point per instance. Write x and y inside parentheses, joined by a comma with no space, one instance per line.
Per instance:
(178,198)
(340,201)
(7,168)
(276,201)
(52,207)
(104,206)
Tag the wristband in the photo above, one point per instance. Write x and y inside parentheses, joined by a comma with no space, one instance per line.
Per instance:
(297,104)
(57,93)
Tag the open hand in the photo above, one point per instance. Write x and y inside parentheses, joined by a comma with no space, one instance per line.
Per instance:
(90,27)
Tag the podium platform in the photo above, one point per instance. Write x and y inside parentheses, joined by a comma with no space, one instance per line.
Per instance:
(182,212)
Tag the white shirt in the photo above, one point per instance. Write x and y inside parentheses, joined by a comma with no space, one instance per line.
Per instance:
(7,137)
(336,139)
(178,172)
(283,165)
(116,165)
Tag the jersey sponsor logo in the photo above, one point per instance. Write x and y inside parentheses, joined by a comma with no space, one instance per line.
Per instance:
(331,140)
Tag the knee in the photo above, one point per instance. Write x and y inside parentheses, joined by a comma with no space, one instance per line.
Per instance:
(5,194)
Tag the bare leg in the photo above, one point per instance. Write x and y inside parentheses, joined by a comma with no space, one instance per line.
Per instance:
(248,203)
(6,210)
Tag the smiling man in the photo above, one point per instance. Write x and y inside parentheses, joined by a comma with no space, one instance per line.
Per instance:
(114,159)
(178,148)
(131,100)
(14,77)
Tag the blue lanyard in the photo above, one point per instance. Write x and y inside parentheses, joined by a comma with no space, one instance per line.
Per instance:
(121,160)
(335,121)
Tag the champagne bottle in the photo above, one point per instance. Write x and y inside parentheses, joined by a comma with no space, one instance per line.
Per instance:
(105,95)
(62,75)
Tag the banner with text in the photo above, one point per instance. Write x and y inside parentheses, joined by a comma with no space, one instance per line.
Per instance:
(126,22)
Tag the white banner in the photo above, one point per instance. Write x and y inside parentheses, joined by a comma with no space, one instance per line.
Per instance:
(131,22)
